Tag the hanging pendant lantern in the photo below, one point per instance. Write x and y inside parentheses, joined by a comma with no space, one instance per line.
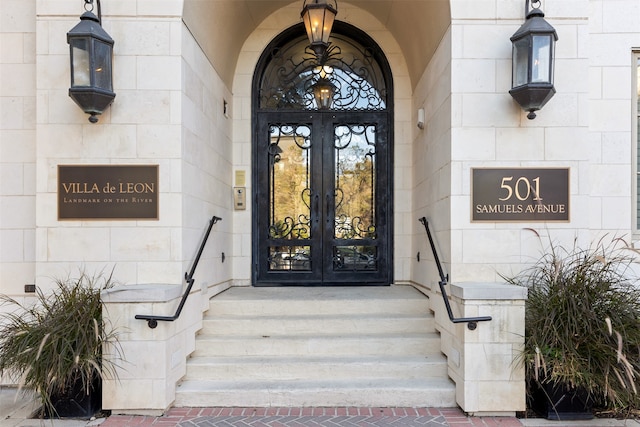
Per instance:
(318,17)
(323,92)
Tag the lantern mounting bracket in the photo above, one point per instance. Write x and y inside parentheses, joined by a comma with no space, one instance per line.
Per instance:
(88,6)
(529,4)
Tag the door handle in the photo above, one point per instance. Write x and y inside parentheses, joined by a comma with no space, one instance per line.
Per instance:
(316,210)
(328,200)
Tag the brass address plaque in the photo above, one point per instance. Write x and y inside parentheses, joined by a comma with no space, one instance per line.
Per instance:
(520,194)
(104,192)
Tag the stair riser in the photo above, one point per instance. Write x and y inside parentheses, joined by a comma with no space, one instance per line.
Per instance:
(336,346)
(309,308)
(373,397)
(315,371)
(314,326)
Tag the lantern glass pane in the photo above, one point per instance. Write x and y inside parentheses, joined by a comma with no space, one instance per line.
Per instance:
(328,24)
(541,59)
(306,18)
(80,75)
(316,19)
(323,93)
(520,60)
(102,65)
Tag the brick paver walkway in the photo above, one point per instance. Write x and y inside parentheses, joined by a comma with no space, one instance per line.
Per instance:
(304,417)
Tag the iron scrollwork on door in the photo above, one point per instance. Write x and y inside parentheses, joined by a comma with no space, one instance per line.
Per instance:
(322,161)
(289,163)
(349,69)
(355,197)
(289,154)
(355,152)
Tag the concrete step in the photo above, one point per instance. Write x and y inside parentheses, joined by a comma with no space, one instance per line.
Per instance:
(349,346)
(326,301)
(352,324)
(439,393)
(316,368)
(303,345)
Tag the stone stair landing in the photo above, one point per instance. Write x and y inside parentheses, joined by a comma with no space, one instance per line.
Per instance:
(317,346)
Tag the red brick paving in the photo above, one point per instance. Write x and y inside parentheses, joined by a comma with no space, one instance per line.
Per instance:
(272,417)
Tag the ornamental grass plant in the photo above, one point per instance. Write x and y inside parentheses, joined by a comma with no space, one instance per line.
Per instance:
(56,343)
(582,326)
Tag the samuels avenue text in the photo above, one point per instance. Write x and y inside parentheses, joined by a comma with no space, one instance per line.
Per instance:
(538,208)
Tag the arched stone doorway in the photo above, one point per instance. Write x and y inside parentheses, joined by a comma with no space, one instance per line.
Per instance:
(323,173)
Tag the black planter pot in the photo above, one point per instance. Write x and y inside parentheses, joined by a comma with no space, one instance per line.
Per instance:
(74,402)
(561,402)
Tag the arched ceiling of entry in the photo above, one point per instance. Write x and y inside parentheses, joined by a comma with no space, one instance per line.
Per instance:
(222,26)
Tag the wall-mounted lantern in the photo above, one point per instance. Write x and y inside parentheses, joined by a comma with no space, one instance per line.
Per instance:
(318,17)
(91,50)
(533,61)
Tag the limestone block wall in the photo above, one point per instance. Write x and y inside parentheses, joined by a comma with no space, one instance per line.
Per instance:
(142,126)
(432,171)
(17,145)
(168,111)
(206,165)
(612,38)
(491,130)
(587,126)
(486,128)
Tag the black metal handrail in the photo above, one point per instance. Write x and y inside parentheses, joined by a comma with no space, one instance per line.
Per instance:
(152,320)
(472,322)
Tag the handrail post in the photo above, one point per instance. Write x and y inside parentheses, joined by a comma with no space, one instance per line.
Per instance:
(472,322)
(152,320)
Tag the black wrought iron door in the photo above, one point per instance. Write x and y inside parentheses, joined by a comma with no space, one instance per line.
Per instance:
(322,127)
(323,198)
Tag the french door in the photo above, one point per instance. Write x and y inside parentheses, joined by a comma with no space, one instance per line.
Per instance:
(322,198)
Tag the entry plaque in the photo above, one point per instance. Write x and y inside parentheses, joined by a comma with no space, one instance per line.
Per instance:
(520,194)
(103,192)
